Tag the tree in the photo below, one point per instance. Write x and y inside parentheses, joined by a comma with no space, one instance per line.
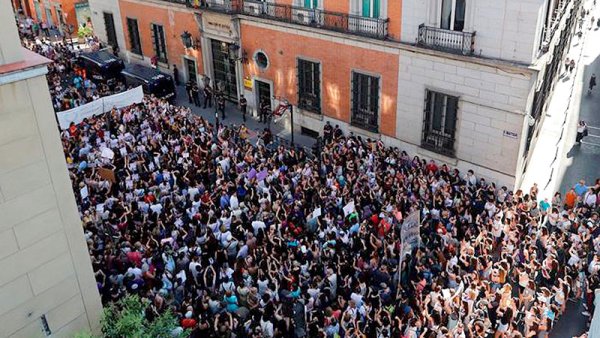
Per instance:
(127,318)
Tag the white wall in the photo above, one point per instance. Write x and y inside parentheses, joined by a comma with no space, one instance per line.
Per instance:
(505,29)
(98,7)
(491,101)
(44,262)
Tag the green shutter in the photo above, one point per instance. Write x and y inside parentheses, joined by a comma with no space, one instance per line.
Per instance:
(376,6)
(307,3)
(366,8)
(315,4)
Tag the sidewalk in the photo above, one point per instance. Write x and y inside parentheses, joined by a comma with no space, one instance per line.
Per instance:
(234,117)
(546,159)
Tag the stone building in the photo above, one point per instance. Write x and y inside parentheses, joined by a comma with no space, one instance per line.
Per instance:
(463,82)
(47,286)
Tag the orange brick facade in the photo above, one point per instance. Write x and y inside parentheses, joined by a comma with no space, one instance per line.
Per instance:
(48,11)
(338,54)
(174,19)
(337,63)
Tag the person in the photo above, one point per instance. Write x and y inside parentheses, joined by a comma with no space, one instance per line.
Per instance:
(188,89)
(221,105)
(196,95)
(260,240)
(264,110)
(243,107)
(176,75)
(327,132)
(592,83)
(207,95)
(582,131)
(567,65)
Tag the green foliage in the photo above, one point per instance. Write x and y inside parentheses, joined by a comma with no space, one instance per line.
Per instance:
(84,31)
(126,319)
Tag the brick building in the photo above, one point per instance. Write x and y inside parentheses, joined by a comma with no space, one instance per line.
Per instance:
(61,14)
(460,81)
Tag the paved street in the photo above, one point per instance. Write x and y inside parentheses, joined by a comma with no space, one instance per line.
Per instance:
(582,161)
(233,116)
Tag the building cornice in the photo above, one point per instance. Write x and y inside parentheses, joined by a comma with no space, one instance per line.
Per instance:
(32,65)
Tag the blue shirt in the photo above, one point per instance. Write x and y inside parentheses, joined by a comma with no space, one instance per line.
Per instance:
(580,189)
(224,201)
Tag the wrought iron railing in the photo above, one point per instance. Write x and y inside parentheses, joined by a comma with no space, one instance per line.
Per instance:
(438,142)
(224,6)
(446,40)
(335,21)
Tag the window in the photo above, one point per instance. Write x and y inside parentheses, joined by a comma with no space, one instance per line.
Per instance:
(309,86)
(365,101)
(371,8)
(158,42)
(134,36)
(312,4)
(261,60)
(439,123)
(453,15)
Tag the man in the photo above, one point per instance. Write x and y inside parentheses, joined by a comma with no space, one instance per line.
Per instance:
(327,132)
(188,90)
(196,95)
(207,96)
(243,107)
(221,105)
(264,108)
(592,82)
(176,75)
(580,188)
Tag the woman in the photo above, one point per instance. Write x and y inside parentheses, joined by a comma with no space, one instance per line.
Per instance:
(581,131)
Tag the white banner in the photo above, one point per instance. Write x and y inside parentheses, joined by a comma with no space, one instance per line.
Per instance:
(100,106)
(410,232)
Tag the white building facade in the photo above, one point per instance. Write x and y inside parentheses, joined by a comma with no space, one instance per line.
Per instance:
(479,78)
(106,18)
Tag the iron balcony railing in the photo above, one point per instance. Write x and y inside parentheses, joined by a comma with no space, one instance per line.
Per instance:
(335,21)
(224,6)
(446,40)
(438,142)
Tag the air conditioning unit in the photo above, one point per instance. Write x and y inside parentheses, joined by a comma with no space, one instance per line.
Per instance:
(253,9)
(305,17)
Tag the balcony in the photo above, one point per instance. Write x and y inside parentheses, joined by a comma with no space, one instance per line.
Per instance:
(334,21)
(446,40)
(222,6)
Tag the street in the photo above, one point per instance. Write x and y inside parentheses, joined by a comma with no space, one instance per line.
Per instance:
(580,161)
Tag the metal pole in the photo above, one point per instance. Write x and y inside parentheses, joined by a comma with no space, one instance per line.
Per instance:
(292,127)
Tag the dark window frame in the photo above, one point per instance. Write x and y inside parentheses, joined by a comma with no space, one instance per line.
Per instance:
(135,43)
(309,85)
(440,118)
(159,42)
(365,101)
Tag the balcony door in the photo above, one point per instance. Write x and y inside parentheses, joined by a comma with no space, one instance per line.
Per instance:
(453,15)
(371,8)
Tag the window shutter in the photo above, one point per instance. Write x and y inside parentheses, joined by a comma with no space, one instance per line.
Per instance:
(299,79)
(154,40)
(451,112)
(354,96)
(366,8)
(375,101)
(376,8)
(427,110)
(317,83)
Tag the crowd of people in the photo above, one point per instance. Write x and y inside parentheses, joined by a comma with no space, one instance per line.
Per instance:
(251,240)
(69,86)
